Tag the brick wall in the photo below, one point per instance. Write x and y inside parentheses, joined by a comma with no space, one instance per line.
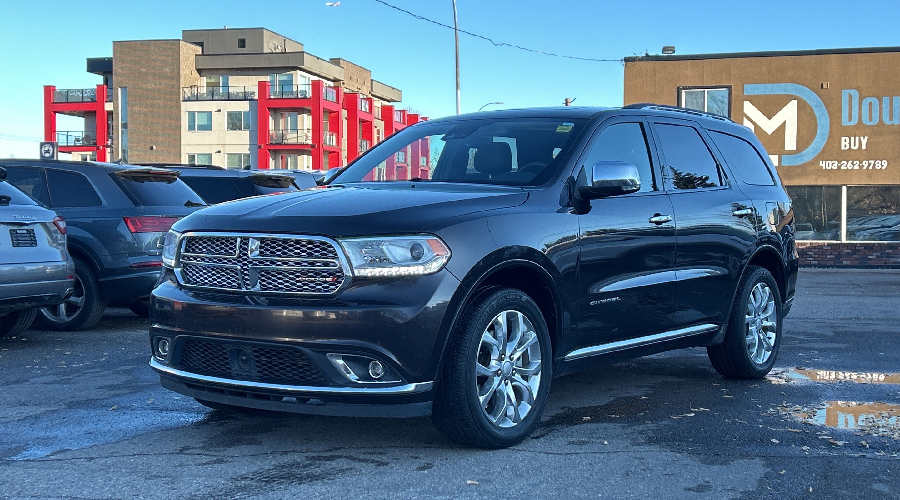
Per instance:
(849,254)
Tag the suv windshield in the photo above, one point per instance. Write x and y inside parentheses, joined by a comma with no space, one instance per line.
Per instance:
(510,151)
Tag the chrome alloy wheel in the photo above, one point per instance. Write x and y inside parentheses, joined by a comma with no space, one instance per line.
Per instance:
(508,368)
(64,312)
(761,321)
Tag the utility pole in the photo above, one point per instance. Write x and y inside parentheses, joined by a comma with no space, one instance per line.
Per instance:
(456,35)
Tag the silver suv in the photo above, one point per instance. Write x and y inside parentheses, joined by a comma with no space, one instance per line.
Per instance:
(35,268)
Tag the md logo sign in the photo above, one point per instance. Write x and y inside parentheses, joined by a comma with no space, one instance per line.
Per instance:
(787,117)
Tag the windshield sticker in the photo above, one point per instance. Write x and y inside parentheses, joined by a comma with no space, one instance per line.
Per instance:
(565,128)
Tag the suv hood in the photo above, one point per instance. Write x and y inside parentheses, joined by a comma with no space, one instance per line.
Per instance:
(354,210)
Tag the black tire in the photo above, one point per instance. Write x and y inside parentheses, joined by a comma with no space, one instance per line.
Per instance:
(732,358)
(83,310)
(141,308)
(457,411)
(17,322)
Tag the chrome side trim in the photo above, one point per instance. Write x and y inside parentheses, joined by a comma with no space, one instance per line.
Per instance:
(295,389)
(657,278)
(640,341)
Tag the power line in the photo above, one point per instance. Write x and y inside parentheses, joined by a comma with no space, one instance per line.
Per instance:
(22,138)
(495,42)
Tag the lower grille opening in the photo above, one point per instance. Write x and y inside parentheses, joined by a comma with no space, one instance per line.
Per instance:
(251,362)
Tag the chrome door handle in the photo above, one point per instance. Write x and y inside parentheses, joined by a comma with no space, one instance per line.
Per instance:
(660,219)
(744,212)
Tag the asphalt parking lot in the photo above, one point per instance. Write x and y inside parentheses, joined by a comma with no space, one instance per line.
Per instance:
(82,416)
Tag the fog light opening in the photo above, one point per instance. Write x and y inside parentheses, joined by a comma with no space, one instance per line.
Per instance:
(376,370)
(162,348)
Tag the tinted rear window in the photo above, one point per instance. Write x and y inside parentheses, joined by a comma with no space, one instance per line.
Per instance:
(16,197)
(744,159)
(159,192)
(215,189)
(690,163)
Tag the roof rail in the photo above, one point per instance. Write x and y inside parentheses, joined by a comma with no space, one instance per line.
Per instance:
(677,109)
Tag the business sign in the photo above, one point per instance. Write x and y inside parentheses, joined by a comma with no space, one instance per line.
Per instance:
(49,151)
(843,136)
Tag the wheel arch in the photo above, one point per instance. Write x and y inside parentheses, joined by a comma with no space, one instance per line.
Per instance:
(521,268)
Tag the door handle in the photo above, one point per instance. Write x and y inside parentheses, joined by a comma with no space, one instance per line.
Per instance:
(660,219)
(744,212)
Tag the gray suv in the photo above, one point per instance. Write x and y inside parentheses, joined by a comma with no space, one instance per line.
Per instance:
(35,269)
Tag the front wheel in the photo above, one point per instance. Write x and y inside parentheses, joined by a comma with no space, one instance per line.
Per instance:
(754,329)
(497,376)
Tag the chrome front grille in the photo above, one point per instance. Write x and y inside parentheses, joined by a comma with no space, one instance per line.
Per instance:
(271,264)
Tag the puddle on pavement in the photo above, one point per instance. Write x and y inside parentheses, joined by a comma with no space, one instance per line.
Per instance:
(877,419)
(797,374)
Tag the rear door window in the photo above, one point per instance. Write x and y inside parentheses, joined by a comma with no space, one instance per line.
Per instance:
(30,181)
(744,159)
(70,189)
(689,162)
(158,190)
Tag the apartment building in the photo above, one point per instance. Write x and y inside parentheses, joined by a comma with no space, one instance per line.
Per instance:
(830,120)
(240,98)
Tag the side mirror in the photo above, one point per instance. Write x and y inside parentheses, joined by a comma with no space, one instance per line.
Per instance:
(329,175)
(608,178)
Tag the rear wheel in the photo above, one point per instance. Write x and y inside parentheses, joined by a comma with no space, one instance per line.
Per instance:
(81,310)
(496,379)
(17,322)
(754,329)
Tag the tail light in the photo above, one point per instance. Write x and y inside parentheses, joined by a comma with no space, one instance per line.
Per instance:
(60,222)
(150,224)
(150,231)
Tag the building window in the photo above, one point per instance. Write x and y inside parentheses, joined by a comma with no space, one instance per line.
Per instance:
(873,213)
(242,43)
(817,212)
(200,159)
(200,120)
(237,160)
(238,120)
(715,100)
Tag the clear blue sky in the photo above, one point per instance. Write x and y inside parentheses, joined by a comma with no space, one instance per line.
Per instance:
(47,42)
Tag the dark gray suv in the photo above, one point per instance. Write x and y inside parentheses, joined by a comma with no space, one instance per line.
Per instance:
(464,262)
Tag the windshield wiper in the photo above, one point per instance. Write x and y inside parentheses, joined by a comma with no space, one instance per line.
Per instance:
(417,179)
(190,203)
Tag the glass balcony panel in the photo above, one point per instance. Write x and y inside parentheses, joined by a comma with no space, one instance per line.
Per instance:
(286,91)
(365,105)
(230,93)
(364,145)
(330,94)
(329,138)
(75,95)
(302,136)
(76,138)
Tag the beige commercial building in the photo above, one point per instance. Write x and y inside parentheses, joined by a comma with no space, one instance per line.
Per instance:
(830,120)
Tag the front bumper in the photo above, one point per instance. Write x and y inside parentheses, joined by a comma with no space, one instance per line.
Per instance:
(396,322)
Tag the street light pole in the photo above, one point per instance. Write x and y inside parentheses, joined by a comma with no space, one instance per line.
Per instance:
(456,36)
(488,104)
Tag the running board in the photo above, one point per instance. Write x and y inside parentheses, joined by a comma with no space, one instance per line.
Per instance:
(640,341)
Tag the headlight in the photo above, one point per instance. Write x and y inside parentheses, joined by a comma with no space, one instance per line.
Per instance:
(169,248)
(396,255)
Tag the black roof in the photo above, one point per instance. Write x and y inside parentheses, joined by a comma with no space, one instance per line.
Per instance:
(774,53)
(80,166)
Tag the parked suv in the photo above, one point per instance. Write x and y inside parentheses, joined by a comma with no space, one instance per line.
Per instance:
(217,185)
(117,218)
(514,247)
(35,270)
